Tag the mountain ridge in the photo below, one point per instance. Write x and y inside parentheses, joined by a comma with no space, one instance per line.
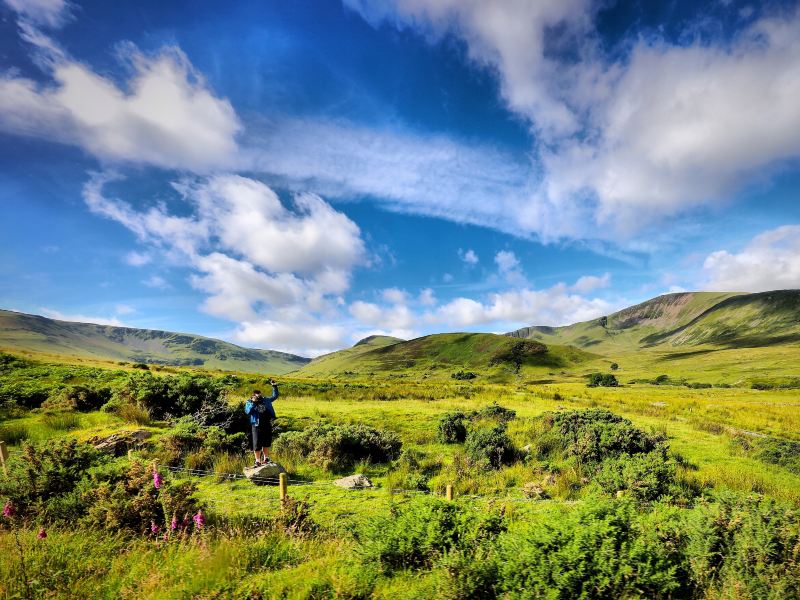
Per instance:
(34,333)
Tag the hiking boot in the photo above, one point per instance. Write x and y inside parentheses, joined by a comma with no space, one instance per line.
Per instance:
(256,464)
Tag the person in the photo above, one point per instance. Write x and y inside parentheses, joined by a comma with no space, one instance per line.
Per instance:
(261,415)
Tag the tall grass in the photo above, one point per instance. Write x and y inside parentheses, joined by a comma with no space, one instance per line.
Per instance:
(225,464)
(14,433)
(61,421)
(132,413)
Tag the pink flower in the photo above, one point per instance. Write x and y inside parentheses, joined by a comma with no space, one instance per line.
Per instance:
(173,525)
(42,533)
(157,479)
(8,510)
(153,527)
(199,519)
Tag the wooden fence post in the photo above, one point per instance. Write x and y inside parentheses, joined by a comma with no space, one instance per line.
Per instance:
(448,492)
(3,456)
(282,483)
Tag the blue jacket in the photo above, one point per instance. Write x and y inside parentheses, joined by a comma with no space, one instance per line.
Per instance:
(262,408)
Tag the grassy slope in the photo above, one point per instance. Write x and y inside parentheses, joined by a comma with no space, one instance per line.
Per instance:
(20,332)
(339,361)
(442,354)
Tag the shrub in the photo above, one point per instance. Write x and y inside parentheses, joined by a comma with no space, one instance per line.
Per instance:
(645,476)
(77,397)
(785,453)
(614,366)
(490,446)
(602,550)
(463,375)
(451,428)
(596,434)
(418,533)
(602,380)
(497,412)
(338,447)
(46,473)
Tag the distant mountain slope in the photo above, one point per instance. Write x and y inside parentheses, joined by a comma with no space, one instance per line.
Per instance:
(339,361)
(685,319)
(447,353)
(32,333)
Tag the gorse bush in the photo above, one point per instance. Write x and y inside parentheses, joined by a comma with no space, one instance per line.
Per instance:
(602,380)
(451,429)
(496,412)
(78,397)
(338,447)
(491,447)
(420,532)
(463,375)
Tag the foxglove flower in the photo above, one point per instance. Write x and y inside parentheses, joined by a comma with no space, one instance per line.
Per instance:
(156,479)
(8,510)
(173,525)
(199,519)
(42,533)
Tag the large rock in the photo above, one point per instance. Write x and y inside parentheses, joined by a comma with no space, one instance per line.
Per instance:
(122,441)
(265,474)
(354,482)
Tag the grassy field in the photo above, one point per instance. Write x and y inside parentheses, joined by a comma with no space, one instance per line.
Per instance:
(727,451)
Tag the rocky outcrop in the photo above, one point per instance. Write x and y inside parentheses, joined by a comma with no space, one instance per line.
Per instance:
(265,474)
(119,443)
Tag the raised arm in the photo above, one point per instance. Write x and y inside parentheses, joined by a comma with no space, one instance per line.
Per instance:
(274,393)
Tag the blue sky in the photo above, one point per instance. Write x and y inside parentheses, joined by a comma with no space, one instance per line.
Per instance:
(298,175)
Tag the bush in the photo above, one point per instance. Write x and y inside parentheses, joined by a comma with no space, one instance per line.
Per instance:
(602,380)
(645,476)
(132,413)
(596,434)
(490,446)
(338,447)
(463,375)
(451,428)
(497,412)
(602,550)
(785,453)
(418,533)
(614,366)
(77,397)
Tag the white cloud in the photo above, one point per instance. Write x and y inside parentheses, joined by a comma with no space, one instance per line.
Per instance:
(156,281)
(509,266)
(589,283)
(78,318)
(397,316)
(165,115)
(427,297)
(48,13)
(258,262)
(138,259)
(307,339)
(394,296)
(625,141)
(124,309)
(468,257)
(771,261)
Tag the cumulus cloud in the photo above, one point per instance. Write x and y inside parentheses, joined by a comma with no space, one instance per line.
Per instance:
(47,13)
(468,257)
(509,266)
(427,297)
(165,115)
(309,339)
(770,261)
(589,283)
(626,140)
(258,262)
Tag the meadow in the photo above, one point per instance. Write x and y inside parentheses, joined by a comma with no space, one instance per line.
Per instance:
(561,490)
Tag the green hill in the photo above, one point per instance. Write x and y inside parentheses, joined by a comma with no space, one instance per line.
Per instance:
(20,332)
(445,353)
(684,319)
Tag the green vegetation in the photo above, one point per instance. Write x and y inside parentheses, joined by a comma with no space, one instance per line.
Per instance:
(683,481)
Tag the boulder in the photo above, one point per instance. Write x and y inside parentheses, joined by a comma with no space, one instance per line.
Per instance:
(354,482)
(119,443)
(265,474)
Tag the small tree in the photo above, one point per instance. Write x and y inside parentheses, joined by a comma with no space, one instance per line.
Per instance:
(614,366)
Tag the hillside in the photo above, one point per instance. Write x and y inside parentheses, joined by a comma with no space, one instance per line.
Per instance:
(20,332)
(445,353)
(723,319)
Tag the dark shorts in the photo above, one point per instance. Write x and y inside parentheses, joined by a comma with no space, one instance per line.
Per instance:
(262,434)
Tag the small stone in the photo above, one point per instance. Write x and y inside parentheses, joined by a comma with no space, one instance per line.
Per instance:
(354,482)
(265,474)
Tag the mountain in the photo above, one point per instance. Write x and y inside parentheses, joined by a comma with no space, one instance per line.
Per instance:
(444,354)
(723,320)
(20,332)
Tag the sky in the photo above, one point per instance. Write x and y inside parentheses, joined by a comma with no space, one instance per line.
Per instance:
(300,175)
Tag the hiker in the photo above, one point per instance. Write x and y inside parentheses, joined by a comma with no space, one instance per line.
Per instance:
(261,416)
